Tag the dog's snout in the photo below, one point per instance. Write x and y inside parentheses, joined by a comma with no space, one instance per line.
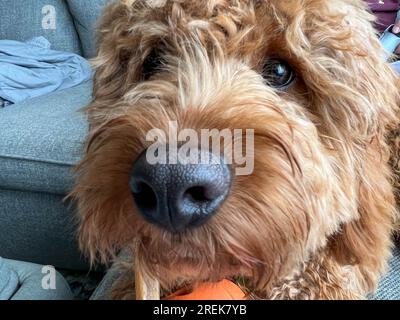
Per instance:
(180,195)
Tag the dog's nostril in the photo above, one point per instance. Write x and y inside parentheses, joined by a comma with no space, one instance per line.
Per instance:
(197,194)
(145,197)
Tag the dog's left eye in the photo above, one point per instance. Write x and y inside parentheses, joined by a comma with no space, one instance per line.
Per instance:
(278,73)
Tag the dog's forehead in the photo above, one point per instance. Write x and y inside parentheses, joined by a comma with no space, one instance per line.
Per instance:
(209,8)
(259,21)
(284,5)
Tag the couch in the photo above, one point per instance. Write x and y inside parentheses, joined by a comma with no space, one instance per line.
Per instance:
(41,140)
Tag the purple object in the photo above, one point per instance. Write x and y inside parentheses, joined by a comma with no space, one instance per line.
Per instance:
(386,11)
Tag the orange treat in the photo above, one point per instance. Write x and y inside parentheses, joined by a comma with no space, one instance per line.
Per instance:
(223,290)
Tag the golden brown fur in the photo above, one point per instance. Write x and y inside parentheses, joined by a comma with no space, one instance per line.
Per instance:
(315,219)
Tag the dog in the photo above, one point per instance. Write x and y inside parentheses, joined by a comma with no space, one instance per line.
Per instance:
(315,218)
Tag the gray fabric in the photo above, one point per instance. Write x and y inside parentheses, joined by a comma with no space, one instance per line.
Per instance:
(116,272)
(30,286)
(104,289)
(389,288)
(2,102)
(29,69)
(41,139)
(22,20)
(40,228)
(85,14)
(8,281)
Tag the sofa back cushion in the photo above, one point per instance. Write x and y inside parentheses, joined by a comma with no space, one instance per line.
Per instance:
(21,20)
(85,15)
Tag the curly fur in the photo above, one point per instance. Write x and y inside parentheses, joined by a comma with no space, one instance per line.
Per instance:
(315,219)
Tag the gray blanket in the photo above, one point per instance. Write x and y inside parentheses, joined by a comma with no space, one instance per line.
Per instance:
(32,69)
(8,281)
(27,281)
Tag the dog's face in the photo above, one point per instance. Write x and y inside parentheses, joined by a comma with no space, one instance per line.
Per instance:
(307,76)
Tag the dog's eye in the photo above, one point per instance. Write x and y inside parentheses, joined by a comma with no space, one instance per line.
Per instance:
(151,65)
(278,73)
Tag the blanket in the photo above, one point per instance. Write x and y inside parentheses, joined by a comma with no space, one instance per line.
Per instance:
(8,281)
(31,69)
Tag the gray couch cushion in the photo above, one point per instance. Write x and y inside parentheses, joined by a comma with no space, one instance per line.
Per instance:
(85,14)
(21,20)
(41,139)
(39,228)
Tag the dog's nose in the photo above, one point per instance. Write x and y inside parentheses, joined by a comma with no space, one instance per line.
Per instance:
(180,195)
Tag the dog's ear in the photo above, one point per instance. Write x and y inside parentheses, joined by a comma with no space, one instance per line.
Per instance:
(118,50)
(354,93)
(101,193)
(110,61)
(354,96)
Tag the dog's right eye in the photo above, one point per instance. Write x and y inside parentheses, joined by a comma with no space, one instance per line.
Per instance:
(278,73)
(151,65)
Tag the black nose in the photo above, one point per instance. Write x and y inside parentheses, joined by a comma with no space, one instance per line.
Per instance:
(181,195)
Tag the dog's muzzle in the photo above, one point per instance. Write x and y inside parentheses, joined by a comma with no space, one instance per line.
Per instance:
(180,195)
